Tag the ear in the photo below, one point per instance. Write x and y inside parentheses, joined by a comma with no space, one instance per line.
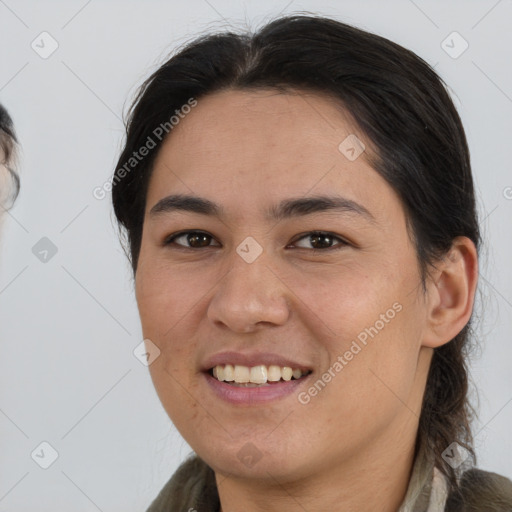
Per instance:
(451,293)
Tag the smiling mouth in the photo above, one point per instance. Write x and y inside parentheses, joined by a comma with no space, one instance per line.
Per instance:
(255,376)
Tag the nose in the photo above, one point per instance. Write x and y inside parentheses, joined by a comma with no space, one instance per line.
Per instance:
(248,296)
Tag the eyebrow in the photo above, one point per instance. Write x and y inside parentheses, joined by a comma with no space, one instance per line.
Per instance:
(294,207)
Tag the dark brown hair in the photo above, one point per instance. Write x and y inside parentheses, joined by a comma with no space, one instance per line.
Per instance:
(8,145)
(404,109)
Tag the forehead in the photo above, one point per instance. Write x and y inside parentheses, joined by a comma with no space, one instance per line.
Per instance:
(272,118)
(261,146)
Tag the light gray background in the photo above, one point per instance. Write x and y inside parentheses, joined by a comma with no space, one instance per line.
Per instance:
(68,326)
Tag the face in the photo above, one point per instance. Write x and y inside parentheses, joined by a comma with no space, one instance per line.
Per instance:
(333,292)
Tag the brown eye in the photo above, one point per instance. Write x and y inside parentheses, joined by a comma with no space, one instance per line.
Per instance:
(321,240)
(193,239)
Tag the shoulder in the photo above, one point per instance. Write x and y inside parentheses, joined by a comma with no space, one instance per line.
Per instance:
(192,486)
(481,491)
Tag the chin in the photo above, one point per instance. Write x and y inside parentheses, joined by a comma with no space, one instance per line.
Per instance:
(252,460)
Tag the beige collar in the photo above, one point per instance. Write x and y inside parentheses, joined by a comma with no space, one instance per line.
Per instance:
(428,487)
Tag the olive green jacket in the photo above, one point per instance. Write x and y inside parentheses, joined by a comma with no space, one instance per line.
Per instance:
(193,488)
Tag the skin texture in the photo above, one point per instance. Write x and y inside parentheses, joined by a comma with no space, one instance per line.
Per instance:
(351,447)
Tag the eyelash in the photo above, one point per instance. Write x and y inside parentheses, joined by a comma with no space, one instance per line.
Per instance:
(342,243)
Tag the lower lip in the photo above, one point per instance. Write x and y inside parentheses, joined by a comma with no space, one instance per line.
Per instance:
(248,396)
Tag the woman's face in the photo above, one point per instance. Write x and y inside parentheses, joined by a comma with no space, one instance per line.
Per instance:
(251,290)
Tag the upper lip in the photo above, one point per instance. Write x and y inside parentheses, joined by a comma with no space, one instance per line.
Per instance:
(251,359)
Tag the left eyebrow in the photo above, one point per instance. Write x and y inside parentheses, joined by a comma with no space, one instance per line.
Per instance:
(297,207)
(294,207)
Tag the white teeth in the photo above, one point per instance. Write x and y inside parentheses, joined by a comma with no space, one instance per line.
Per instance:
(274,373)
(260,374)
(229,373)
(286,373)
(242,373)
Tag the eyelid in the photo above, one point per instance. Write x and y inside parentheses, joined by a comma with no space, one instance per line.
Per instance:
(168,240)
(341,241)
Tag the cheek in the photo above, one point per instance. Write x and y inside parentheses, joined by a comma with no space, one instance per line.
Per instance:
(169,303)
(372,383)
(173,372)
(344,297)
(164,296)
(178,393)
(383,373)
(372,321)
(164,316)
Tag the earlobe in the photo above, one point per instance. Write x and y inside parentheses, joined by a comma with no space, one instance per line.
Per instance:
(451,293)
